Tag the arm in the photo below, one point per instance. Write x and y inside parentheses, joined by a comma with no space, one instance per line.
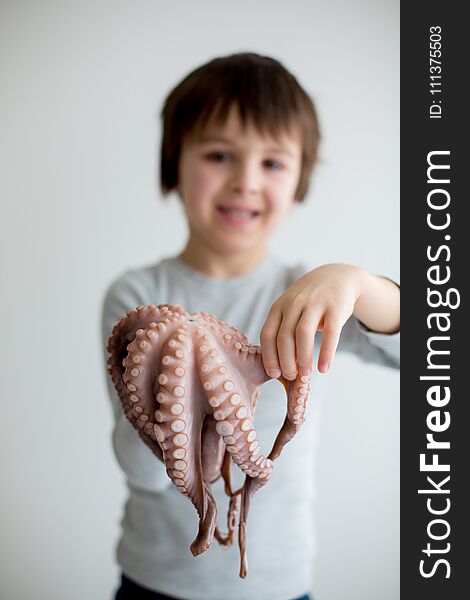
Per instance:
(378,304)
(323,300)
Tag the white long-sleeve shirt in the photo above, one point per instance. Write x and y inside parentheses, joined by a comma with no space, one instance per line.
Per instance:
(160,523)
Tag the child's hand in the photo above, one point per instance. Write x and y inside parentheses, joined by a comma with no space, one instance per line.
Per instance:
(323,300)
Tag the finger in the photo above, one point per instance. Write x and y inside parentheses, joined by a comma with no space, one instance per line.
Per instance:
(268,336)
(332,327)
(305,340)
(286,344)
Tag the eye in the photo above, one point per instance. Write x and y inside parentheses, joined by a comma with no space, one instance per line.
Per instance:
(218,156)
(273,165)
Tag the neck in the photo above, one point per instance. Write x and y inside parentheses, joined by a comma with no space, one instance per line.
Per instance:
(221,265)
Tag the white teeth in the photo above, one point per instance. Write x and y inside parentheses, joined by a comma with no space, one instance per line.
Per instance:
(241,214)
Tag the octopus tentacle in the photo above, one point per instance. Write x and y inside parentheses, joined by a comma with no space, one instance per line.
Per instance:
(124,332)
(133,375)
(182,455)
(233,412)
(212,450)
(232,409)
(227,540)
(297,394)
(247,492)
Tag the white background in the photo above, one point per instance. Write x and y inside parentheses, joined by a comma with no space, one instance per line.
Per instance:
(81,89)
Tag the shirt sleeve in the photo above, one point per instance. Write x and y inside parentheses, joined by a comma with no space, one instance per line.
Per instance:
(369,346)
(141,467)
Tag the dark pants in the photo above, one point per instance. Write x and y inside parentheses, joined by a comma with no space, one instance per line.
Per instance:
(130,590)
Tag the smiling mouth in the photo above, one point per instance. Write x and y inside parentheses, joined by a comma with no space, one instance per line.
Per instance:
(238,213)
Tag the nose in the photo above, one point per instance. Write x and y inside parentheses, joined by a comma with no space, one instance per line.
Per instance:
(246,178)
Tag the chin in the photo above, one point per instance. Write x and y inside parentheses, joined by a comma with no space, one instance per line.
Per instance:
(234,249)
(236,244)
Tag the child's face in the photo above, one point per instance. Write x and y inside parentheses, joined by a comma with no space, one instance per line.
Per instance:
(236,185)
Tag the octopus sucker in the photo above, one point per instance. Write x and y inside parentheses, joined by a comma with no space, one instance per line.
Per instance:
(235,399)
(224,428)
(178,425)
(223,412)
(176,408)
(159,433)
(180,440)
(251,436)
(178,391)
(189,383)
(160,416)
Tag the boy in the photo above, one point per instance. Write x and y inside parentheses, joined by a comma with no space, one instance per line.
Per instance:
(240,139)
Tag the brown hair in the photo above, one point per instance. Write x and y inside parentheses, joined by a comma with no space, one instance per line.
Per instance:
(265,93)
